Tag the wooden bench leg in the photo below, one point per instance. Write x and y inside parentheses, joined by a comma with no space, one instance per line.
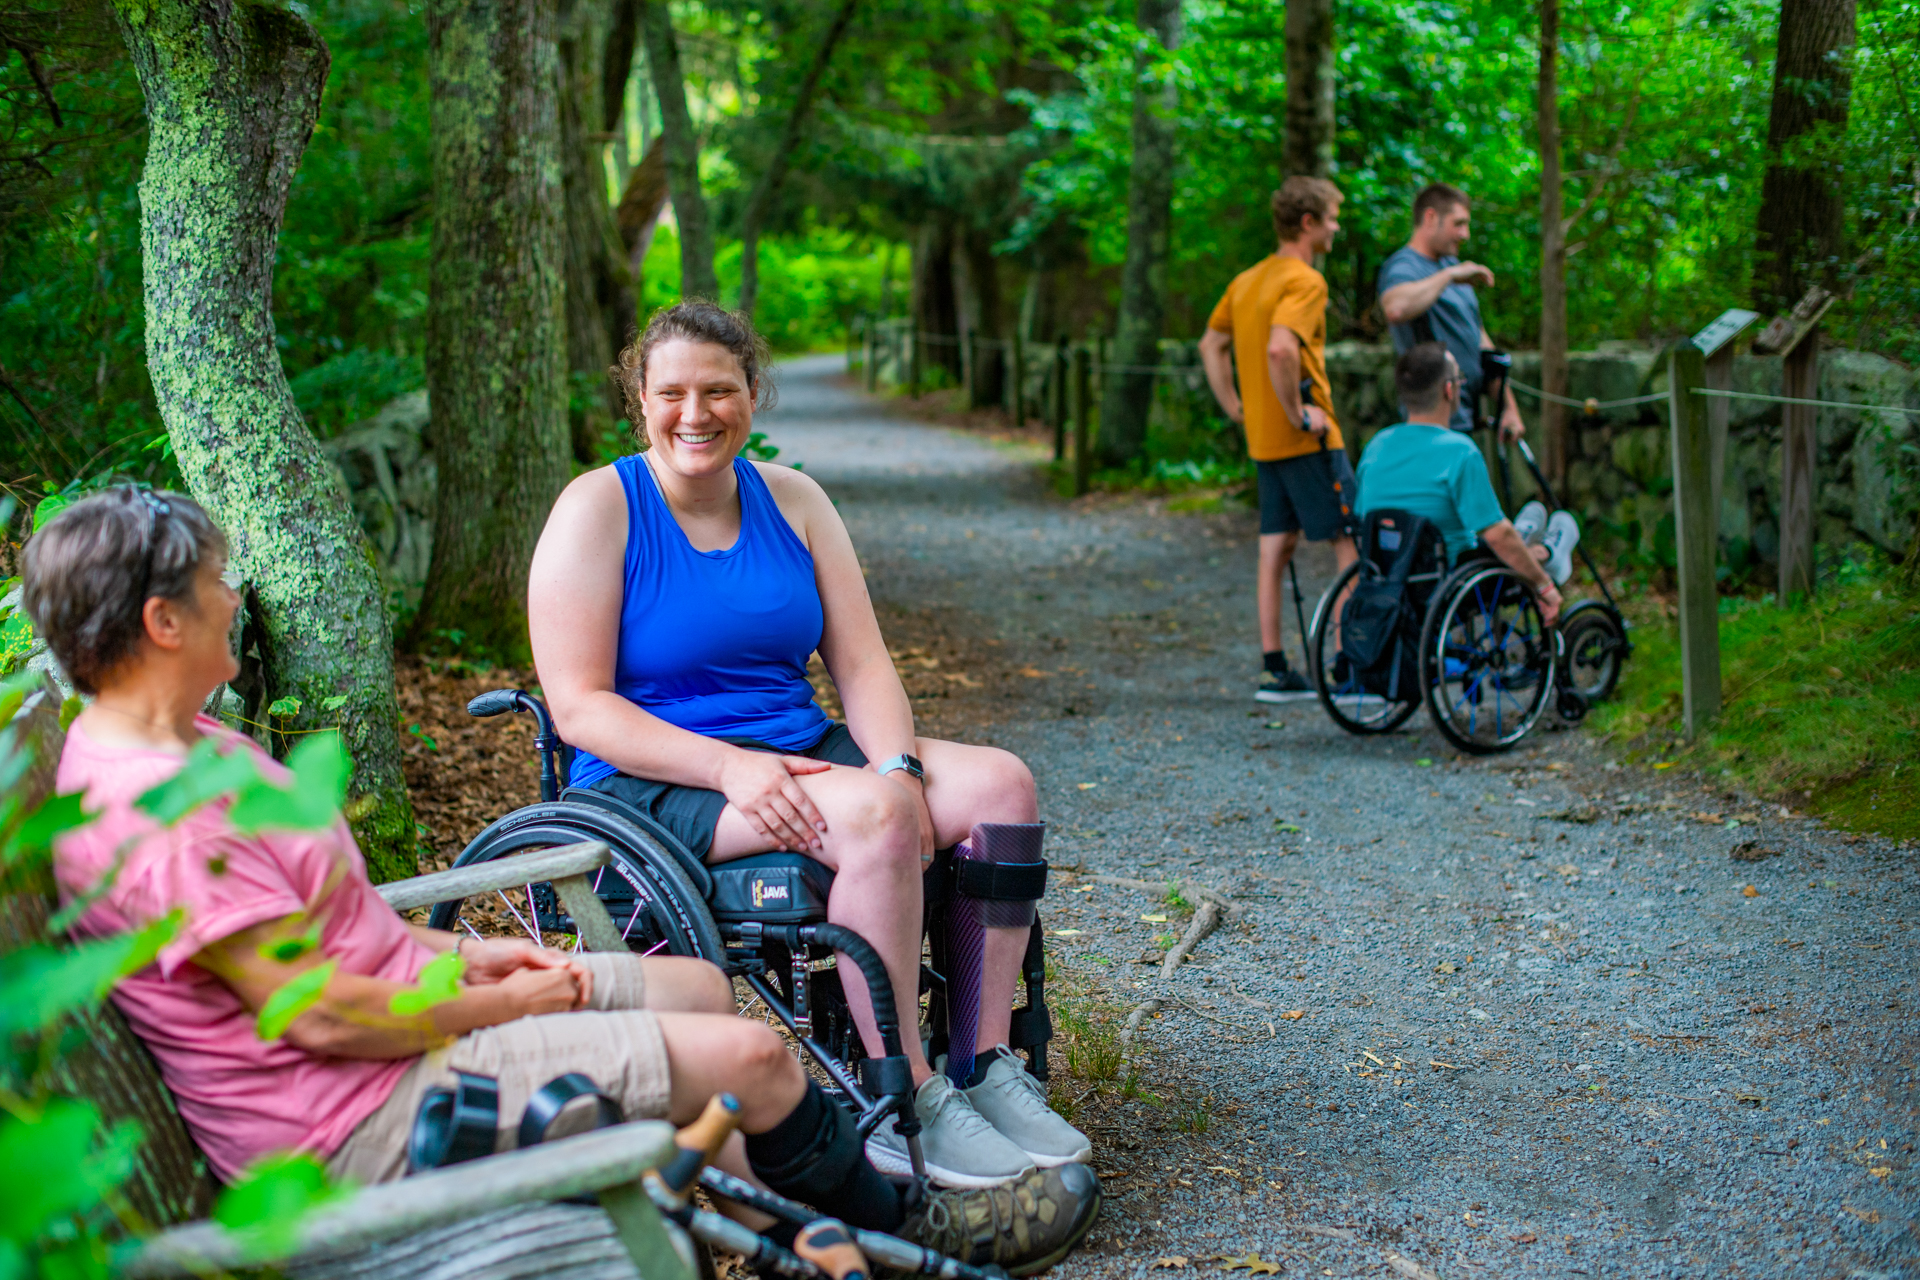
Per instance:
(596,928)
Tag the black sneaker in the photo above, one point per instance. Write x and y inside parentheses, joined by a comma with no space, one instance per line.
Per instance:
(1284,686)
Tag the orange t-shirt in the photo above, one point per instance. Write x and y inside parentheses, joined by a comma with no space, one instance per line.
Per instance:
(1278,291)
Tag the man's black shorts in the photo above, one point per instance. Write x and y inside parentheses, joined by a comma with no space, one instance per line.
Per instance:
(1296,494)
(690,813)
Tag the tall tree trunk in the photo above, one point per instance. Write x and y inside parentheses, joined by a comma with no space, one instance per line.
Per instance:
(496,325)
(1308,145)
(599,292)
(1802,222)
(639,210)
(1553,251)
(232,92)
(697,279)
(767,190)
(984,316)
(936,306)
(1127,396)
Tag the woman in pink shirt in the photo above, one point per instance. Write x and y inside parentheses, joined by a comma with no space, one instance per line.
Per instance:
(129,589)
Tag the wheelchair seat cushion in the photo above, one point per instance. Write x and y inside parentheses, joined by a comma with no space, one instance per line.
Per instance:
(772,888)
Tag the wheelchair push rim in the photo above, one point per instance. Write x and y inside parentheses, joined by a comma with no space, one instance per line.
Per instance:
(1351,706)
(1488,660)
(655,907)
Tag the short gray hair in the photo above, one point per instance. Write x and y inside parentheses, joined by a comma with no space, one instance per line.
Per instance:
(88,574)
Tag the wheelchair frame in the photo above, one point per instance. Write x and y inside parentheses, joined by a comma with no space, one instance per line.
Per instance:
(789,965)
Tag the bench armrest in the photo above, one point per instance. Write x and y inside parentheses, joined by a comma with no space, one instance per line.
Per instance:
(589,1162)
(566,867)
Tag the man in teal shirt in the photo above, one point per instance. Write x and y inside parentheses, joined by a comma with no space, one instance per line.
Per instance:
(1422,467)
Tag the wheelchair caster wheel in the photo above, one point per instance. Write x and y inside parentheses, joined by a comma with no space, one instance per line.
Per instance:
(1572,705)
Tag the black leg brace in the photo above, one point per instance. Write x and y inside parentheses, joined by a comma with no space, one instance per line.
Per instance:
(815,1156)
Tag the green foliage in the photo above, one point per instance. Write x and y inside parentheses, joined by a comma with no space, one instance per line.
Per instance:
(56,1165)
(265,1207)
(439,982)
(311,798)
(44,983)
(1822,700)
(293,998)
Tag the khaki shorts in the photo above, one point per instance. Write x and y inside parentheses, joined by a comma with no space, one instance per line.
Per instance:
(617,1044)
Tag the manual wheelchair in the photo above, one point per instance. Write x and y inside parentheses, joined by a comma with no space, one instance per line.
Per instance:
(762,919)
(1400,626)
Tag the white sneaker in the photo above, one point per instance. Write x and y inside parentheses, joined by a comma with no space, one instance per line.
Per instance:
(1532,518)
(961,1148)
(1015,1103)
(1562,536)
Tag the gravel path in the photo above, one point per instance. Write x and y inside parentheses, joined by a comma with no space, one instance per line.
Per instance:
(1519,1016)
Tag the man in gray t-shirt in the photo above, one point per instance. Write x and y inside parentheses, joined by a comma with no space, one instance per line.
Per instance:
(1427,294)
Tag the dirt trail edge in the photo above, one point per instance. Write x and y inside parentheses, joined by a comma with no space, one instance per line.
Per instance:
(1537,1014)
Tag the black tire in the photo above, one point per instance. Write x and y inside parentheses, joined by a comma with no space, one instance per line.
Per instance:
(1596,649)
(1484,634)
(1352,707)
(649,896)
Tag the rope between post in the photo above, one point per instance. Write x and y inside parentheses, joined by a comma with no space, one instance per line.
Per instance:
(1591,406)
(1825,404)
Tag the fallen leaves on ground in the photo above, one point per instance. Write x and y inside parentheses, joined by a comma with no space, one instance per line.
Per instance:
(1250,1262)
(1525,1237)
(1170,1263)
(1293,1015)
(1749,892)
(1751,851)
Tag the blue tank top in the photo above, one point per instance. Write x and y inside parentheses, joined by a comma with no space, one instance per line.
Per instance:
(716,641)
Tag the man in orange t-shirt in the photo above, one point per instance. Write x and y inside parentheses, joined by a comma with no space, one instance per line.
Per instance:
(1272,328)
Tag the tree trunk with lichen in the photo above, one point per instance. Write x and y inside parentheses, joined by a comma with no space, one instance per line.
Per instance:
(496,320)
(1307,146)
(1128,394)
(1802,223)
(232,92)
(697,279)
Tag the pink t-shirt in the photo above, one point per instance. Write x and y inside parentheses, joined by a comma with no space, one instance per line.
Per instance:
(241,1096)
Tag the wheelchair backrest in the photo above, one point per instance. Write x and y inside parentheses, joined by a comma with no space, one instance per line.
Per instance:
(1402,547)
(1402,558)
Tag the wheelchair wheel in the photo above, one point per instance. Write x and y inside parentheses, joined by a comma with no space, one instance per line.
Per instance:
(1487,660)
(1353,707)
(1596,649)
(652,901)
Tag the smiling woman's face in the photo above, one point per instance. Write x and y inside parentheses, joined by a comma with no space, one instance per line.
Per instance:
(698,407)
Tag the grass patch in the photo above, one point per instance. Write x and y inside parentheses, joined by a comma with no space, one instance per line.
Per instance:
(1822,701)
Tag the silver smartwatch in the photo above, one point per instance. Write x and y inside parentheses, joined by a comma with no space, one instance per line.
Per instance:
(903,761)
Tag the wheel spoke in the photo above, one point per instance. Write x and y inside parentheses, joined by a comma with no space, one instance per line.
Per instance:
(515,913)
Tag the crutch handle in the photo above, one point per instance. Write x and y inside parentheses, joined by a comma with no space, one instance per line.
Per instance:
(828,1245)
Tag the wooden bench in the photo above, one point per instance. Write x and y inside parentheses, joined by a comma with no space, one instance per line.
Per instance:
(492,1219)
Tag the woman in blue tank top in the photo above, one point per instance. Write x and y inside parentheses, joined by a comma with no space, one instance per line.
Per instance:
(675,600)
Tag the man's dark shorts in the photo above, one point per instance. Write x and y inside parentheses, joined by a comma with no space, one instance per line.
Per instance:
(1296,494)
(691,813)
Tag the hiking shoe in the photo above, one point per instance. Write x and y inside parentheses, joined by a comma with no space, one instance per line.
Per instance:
(1562,536)
(1015,1103)
(1285,686)
(961,1148)
(1025,1226)
(1530,521)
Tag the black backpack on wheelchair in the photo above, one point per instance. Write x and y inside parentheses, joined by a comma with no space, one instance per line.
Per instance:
(1365,642)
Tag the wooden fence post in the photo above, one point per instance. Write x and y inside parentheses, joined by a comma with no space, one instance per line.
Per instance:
(1082,418)
(1017,374)
(1799,450)
(1057,397)
(1716,346)
(1694,535)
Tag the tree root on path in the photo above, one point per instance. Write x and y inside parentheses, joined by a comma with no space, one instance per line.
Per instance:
(1213,908)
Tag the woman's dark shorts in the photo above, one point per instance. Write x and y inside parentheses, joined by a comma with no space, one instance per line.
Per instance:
(1297,493)
(691,813)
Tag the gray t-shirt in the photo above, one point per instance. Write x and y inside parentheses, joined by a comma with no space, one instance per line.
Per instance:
(1454,319)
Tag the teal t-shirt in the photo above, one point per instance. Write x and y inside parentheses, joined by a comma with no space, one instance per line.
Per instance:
(1432,472)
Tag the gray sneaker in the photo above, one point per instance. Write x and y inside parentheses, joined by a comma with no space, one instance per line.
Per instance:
(1562,536)
(1015,1103)
(960,1147)
(1529,521)
(1025,1226)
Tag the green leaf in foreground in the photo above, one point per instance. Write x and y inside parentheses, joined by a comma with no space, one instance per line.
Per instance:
(37,833)
(271,1198)
(52,1165)
(309,802)
(439,983)
(292,1000)
(43,983)
(207,775)
(287,706)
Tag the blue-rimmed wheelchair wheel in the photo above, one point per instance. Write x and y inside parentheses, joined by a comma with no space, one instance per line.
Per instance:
(1596,649)
(651,899)
(1487,659)
(1352,706)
